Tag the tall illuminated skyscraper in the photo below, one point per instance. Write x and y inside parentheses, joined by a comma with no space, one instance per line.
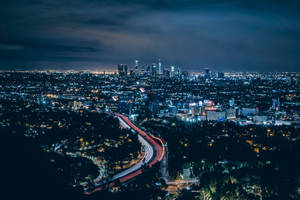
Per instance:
(136,62)
(178,70)
(125,69)
(160,71)
(153,70)
(172,71)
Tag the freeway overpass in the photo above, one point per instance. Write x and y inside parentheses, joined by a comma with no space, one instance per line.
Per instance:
(153,153)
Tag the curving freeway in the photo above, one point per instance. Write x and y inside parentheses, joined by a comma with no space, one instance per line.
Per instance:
(154,152)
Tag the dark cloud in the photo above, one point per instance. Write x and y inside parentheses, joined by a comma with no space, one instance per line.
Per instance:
(223,35)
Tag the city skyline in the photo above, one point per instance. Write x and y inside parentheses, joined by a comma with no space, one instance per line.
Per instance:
(221,35)
(150,134)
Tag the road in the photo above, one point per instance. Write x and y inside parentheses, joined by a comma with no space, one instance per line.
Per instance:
(146,158)
(154,152)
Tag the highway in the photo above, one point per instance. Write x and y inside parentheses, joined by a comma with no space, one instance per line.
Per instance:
(148,149)
(153,148)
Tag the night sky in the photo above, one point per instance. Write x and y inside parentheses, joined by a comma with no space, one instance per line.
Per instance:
(257,35)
